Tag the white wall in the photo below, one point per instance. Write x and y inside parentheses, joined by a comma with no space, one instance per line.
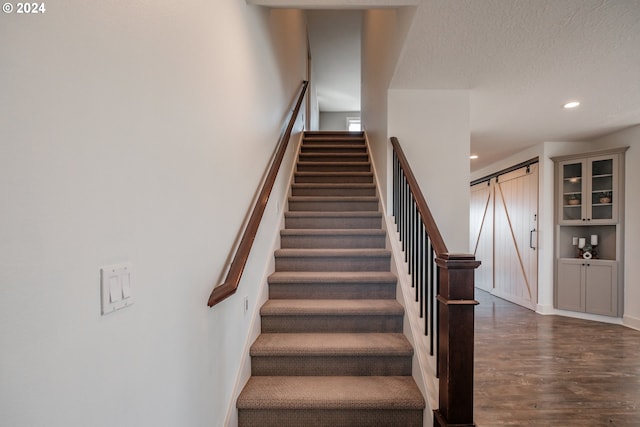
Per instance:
(335,44)
(432,125)
(314,110)
(629,137)
(383,34)
(336,120)
(434,132)
(133,132)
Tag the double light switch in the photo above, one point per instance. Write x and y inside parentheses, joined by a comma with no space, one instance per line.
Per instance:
(115,281)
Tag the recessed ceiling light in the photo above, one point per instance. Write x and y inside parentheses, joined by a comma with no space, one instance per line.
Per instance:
(473,156)
(572,104)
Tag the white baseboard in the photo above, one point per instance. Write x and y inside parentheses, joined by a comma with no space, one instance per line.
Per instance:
(545,309)
(631,322)
(244,371)
(588,316)
(514,299)
(231,419)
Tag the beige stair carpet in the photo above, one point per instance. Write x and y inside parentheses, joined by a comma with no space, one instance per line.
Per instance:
(332,352)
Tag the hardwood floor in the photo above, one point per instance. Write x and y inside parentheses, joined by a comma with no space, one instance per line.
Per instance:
(534,370)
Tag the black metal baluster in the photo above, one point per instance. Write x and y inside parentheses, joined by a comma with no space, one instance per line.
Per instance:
(417,247)
(421,267)
(423,245)
(398,184)
(432,298)
(398,194)
(411,237)
(414,243)
(409,221)
(406,219)
(393,186)
(402,195)
(435,321)
(419,252)
(425,261)
(427,295)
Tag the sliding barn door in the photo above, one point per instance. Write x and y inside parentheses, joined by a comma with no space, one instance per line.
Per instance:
(515,236)
(481,233)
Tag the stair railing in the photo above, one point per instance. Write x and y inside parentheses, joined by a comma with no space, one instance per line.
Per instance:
(243,249)
(444,290)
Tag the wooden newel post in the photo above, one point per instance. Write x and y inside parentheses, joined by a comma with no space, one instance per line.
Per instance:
(455,328)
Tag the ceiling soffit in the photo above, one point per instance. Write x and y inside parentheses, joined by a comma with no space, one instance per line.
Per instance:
(334,4)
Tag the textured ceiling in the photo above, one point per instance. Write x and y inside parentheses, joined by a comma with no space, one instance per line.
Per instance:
(521,60)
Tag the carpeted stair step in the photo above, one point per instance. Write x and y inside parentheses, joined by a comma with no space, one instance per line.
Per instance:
(315,147)
(334,140)
(356,401)
(362,219)
(332,260)
(333,167)
(332,238)
(335,315)
(332,350)
(334,137)
(332,285)
(337,177)
(333,203)
(333,157)
(333,189)
(333,133)
(318,354)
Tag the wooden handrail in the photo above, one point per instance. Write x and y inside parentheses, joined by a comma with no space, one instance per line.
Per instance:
(454,293)
(239,261)
(425,213)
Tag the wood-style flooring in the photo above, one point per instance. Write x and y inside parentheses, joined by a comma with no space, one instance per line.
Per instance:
(534,370)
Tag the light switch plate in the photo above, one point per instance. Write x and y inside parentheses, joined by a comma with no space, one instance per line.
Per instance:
(116,283)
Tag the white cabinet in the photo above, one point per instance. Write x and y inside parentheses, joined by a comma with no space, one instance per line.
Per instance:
(570,285)
(588,190)
(589,286)
(590,218)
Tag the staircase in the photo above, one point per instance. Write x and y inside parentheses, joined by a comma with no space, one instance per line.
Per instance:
(332,351)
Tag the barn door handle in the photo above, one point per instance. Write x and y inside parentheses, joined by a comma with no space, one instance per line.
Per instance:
(531,239)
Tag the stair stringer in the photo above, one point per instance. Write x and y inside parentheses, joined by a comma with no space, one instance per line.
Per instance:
(423,364)
(244,371)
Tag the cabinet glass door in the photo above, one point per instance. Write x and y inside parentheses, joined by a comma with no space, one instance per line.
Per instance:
(572,191)
(602,189)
